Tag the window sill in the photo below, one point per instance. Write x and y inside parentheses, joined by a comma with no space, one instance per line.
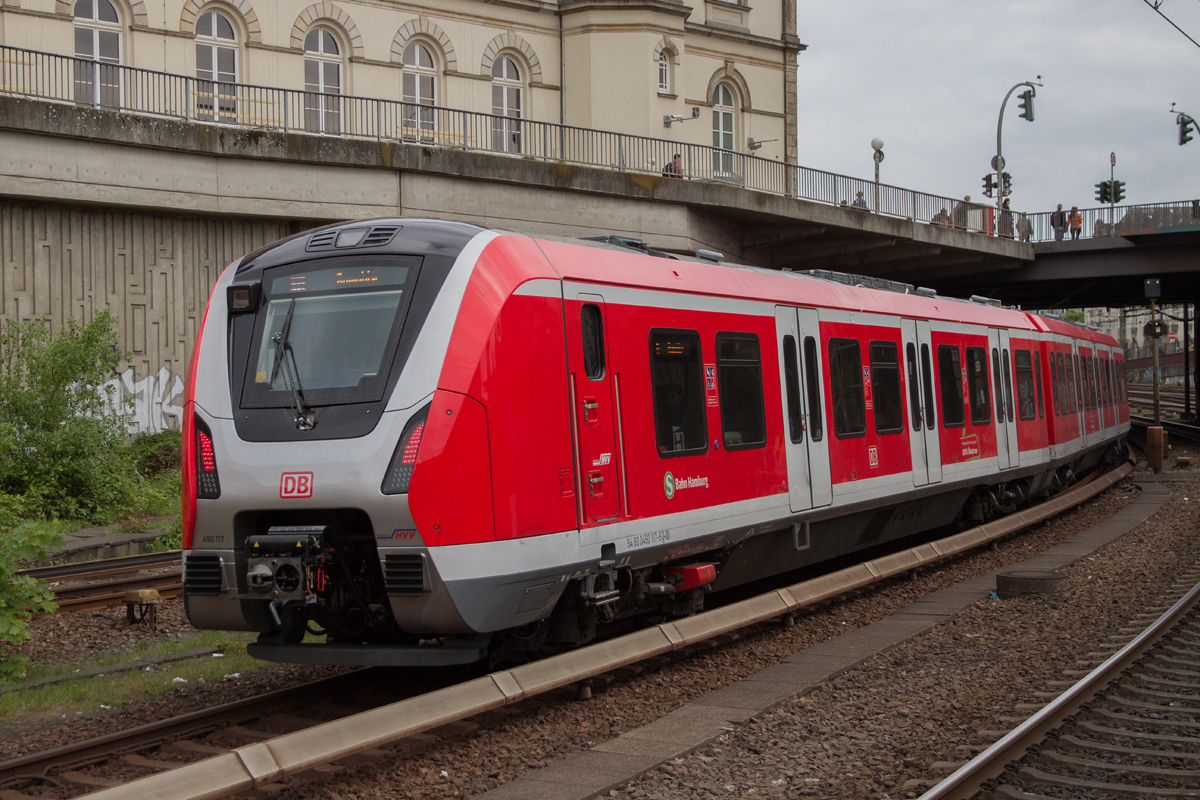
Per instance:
(668,96)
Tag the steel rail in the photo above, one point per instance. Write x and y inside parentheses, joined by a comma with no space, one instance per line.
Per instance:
(991,763)
(265,762)
(33,763)
(1180,429)
(105,566)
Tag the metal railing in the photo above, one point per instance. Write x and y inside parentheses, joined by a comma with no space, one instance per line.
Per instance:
(1119,221)
(92,84)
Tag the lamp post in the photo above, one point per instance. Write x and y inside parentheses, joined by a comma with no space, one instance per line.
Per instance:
(877,146)
(1027,96)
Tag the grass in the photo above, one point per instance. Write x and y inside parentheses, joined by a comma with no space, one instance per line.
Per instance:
(120,688)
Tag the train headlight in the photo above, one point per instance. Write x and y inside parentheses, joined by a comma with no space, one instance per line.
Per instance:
(405,458)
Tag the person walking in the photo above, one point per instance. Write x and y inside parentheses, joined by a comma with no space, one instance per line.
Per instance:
(958,217)
(1006,221)
(1058,221)
(1076,222)
(859,202)
(1024,228)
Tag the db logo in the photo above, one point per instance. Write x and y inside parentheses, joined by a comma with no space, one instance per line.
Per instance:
(294,485)
(873,457)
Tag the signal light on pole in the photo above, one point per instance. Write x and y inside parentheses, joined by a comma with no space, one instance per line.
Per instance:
(1187,126)
(1005,184)
(1118,191)
(988,185)
(1026,105)
(1104,192)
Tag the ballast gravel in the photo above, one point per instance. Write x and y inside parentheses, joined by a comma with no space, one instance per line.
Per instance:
(868,734)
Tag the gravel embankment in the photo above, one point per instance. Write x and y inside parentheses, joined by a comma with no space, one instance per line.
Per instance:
(862,736)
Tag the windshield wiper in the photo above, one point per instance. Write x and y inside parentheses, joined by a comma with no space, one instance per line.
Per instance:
(305,417)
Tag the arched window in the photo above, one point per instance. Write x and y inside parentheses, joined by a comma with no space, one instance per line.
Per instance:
(322,82)
(97,39)
(664,72)
(216,67)
(420,89)
(723,129)
(506,105)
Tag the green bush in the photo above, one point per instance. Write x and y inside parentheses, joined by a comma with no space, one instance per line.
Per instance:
(63,434)
(172,538)
(27,542)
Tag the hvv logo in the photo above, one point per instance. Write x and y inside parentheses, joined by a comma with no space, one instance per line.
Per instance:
(295,485)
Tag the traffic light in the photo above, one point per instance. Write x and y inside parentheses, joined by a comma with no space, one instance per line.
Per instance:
(1005,184)
(1026,104)
(1187,126)
(1104,192)
(1118,191)
(988,185)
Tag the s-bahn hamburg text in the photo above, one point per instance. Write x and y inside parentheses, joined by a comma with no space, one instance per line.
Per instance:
(491,445)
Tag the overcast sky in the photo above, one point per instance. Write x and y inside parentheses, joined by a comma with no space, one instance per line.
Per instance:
(928,77)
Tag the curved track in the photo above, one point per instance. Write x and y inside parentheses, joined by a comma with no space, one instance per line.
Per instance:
(98,584)
(322,741)
(1131,727)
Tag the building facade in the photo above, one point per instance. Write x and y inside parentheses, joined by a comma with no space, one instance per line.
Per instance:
(613,65)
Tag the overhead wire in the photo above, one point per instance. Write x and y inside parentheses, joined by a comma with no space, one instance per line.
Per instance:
(1157,10)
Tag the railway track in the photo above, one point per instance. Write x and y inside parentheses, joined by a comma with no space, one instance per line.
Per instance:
(1130,727)
(224,755)
(98,584)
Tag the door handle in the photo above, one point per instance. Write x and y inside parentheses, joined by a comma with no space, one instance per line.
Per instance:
(590,404)
(595,479)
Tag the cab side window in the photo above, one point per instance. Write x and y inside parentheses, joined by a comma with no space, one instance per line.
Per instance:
(677,380)
(592,330)
(739,375)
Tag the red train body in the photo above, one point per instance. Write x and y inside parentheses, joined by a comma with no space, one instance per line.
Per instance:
(585,432)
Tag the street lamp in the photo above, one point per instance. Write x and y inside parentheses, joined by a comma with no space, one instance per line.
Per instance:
(877,146)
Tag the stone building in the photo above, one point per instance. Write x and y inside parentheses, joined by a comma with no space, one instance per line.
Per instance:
(613,65)
(137,215)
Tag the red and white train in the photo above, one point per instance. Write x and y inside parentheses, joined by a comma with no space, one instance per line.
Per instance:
(423,441)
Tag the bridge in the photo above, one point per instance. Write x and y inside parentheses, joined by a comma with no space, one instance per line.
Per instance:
(1117,250)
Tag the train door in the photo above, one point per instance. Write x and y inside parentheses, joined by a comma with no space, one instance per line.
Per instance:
(1006,425)
(933,447)
(593,412)
(798,346)
(922,425)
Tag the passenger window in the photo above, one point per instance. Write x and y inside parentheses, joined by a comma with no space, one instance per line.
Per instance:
(1026,401)
(677,379)
(791,385)
(1037,384)
(1089,386)
(849,403)
(1008,393)
(977,386)
(1079,382)
(927,384)
(885,387)
(592,328)
(950,384)
(816,419)
(914,387)
(1054,383)
(1070,385)
(739,375)
(996,387)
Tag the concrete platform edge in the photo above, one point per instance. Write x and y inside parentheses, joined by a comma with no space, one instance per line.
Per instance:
(618,761)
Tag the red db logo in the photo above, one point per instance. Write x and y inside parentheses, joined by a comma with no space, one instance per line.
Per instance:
(293,485)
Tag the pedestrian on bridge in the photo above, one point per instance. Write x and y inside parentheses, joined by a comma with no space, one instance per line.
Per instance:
(959,215)
(1076,222)
(1058,221)
(859,202)
(1006,221)
(1024,228)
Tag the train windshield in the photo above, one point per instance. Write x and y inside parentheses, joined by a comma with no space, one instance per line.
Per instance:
(329,332)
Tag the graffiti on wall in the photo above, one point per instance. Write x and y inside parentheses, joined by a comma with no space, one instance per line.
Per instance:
(157,399)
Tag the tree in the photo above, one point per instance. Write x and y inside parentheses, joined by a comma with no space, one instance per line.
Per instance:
(1074,315)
